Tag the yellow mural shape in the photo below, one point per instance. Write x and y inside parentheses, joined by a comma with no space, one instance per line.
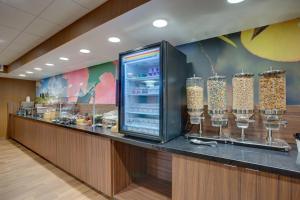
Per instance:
(278,42)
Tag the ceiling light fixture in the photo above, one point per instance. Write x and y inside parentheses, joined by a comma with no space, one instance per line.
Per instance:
(64,58)
(160,23)
(38,69)
(49,64)
(114,39)
(84,51)
(22,75)
(29,72)
(235,1)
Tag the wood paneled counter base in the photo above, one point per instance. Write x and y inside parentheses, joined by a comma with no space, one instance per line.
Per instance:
(85,156)
(127,172)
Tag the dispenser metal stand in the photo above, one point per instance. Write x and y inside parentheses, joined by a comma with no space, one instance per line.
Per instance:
(243,120)
(273,122)
(197,120)
(220,120)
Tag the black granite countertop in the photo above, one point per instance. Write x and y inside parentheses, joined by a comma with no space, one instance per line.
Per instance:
(284,163)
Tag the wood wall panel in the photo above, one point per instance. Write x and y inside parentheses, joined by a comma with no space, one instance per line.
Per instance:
(105,12)
(129,163)
(159,164)
(139,173)
(255,130)
(13,91)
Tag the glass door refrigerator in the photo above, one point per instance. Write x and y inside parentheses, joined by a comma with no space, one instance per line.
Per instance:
(152,92)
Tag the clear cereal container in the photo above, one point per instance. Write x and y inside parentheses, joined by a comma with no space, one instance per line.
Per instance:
(272,92)
(243,94)
(216,94)
(194,92)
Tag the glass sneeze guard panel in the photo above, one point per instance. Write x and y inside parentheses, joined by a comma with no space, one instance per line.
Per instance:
(142,91)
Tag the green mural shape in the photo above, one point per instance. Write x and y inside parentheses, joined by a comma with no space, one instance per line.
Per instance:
(96,71)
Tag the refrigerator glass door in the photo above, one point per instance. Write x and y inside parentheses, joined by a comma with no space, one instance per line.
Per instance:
(141,92)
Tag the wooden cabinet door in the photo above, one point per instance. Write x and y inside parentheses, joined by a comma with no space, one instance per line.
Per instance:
(99,167)
(197,179)
(257,185)
(189,178)
(248,184)
(223,182)
(289,188)
(267,186)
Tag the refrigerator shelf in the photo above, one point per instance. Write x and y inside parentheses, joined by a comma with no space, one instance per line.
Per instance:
(143,78)
(144,94)
(143,130)
(143,126)
(143,113)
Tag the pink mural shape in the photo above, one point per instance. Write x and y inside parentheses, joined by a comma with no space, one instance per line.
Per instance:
(106,89)
(77,82)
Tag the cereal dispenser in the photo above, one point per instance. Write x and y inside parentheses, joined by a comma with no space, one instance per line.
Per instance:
(272,102)
(243,100)
(194,91)
(216,93)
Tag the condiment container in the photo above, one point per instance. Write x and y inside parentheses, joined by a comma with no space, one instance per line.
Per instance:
(272,91)
(216,94)
(243,94)
(194,92)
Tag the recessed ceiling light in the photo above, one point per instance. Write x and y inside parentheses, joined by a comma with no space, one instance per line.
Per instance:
(114,39)
(22,75)
(38,69)
(160,23)
(64,58)
(49,64)
(235,1)
(29,72)
(84,51)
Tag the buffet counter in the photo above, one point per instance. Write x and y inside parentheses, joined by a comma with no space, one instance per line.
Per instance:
(118,166)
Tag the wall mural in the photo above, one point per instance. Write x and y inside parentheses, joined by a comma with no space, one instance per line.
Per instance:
(78,86)
(254,50)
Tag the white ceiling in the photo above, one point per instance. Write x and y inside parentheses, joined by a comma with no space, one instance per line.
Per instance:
(189,20)
(26,23)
